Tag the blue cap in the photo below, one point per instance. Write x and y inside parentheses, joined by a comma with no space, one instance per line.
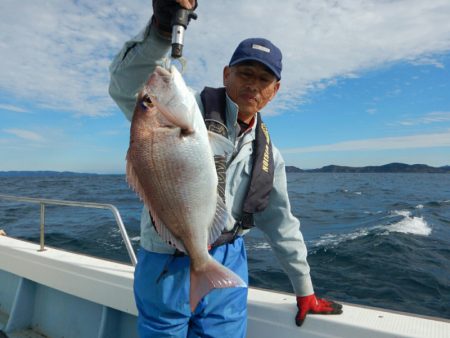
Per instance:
(261,50)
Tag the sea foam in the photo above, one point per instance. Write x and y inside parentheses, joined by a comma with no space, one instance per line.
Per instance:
(333,240)
(409,224)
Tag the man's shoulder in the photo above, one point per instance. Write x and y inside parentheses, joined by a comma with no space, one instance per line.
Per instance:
(277,157)
(198,99)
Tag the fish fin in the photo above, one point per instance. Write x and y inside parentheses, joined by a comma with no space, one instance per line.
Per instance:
(220,221)
(213,276)
(165,234)
(161,228)
(133,179)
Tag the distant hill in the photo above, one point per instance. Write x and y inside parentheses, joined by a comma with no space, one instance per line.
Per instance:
(292,169)
(40,173)
(387,168)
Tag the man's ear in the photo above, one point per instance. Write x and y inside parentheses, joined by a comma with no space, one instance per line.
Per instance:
(275,91)
(226,74)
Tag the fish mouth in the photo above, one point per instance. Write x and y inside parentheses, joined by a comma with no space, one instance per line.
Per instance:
(158,82)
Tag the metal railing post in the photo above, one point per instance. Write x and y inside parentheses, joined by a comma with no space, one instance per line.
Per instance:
(124,234)
(42,230)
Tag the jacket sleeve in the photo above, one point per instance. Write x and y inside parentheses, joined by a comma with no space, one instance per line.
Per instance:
(282,231)
(132,66)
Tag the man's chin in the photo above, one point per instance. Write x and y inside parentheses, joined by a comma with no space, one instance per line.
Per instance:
(247,109)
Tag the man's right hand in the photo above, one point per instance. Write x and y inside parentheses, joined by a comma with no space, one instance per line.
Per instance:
(311,304)
(163,10)
(188,4)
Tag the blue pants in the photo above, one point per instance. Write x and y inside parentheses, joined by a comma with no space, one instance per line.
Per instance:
(162,299)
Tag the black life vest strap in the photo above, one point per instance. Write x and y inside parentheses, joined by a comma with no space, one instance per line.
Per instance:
(261,182)
(214,104)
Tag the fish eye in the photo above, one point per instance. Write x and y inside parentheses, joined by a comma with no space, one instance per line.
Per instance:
(147,99)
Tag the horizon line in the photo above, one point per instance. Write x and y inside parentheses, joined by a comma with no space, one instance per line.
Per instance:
(287,165)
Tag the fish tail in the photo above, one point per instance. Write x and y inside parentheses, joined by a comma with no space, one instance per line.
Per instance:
(213,276)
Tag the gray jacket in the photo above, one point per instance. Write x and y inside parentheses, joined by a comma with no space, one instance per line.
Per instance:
(129,70)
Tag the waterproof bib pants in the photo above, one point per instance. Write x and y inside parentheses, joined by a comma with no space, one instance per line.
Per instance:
(161,287)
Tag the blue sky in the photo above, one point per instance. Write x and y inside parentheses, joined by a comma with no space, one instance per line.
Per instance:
(364,82)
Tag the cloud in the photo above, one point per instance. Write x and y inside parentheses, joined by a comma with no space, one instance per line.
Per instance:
(25,134)
(13,108)
(56,53)
(433,117)
(428,61)
(387,143)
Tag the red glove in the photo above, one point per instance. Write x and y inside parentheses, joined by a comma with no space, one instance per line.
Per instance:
(311,304)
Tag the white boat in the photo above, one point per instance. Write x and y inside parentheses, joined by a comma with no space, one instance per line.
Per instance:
(48,292)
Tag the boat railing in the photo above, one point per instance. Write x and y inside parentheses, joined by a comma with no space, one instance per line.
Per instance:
(44,201)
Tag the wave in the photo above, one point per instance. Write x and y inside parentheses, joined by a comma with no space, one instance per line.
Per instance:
(347,191)
(408,224)
(256,246)
(437,204)
(332,240)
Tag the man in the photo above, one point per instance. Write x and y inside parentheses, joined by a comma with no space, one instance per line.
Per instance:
(251,80)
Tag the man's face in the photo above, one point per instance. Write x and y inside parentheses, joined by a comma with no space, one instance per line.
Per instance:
(251,85)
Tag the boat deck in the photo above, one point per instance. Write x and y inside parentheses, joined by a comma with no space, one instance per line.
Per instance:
(55,293)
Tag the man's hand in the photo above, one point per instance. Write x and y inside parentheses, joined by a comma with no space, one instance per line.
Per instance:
(164,10)
(188,4)
(311,304)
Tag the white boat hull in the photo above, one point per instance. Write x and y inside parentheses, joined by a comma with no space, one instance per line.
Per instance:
(55,293)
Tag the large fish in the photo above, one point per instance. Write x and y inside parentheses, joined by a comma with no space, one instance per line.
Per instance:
(170,165)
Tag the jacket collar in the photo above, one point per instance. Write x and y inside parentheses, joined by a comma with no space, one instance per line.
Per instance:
(232,110)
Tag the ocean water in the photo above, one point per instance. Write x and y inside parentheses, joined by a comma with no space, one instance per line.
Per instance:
(373,239)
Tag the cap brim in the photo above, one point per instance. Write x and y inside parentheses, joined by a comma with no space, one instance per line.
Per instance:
(252,58)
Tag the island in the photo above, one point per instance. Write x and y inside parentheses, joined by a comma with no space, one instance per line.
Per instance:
(387,168)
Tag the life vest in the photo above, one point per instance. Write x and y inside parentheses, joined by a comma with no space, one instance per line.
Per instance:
(261,181)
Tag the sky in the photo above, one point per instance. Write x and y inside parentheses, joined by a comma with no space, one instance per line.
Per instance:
(364,82)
